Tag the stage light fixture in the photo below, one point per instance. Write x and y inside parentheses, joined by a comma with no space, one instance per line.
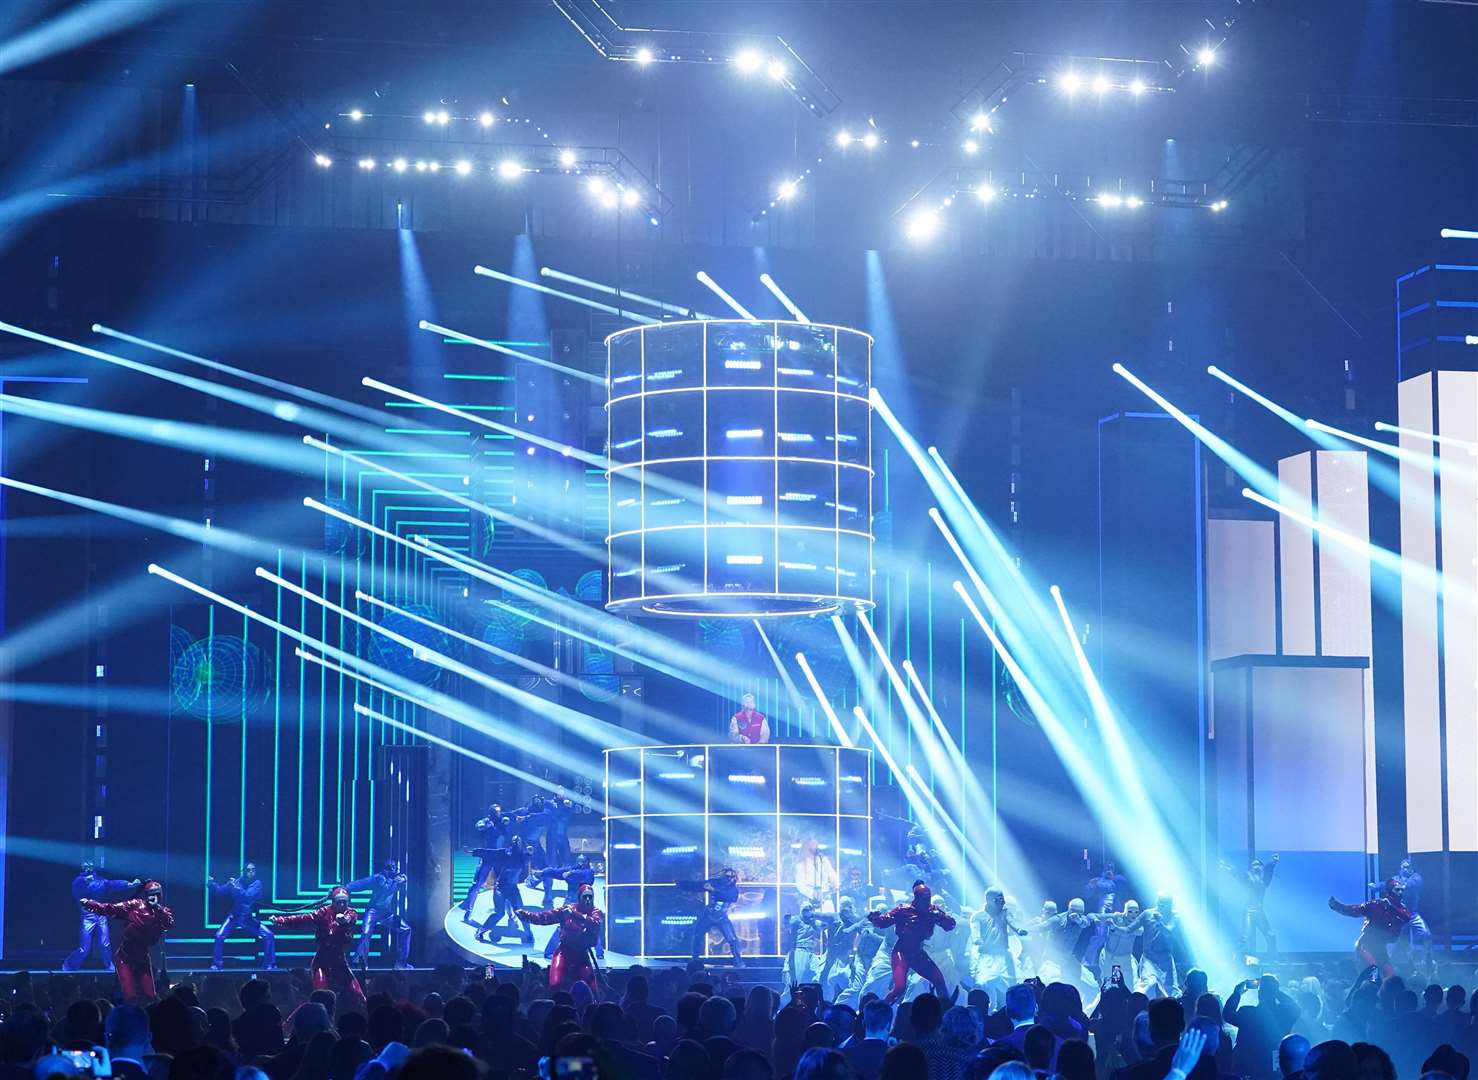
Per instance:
(1101,85)
(1110,200)
(485,118)
(567,158)
(464,168)
(434,166)
(630,197)
(398,164)
(608,199)
(323,161)
(748,62)
(985,193)
(914,143)
(367,163)
(1134,202)
(1137,87)
(787,189)
(643,56)
(970,146)
(429,116)
(871,140)
(420,166)
(844,139)
(356,115)
(443,118)
(509,169)
(596,185)
(776,70)
(1207,56)
(1070,82)
(922,225)
(980,122)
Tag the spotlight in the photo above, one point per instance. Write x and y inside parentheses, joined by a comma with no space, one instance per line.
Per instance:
(435,166)
(922,225)
(844,139)
(1207,56)
(787,189)
(1137,87)
(1107,199)
(367,163)
(631,197)
(509,169)
(596,185)
(985,192)
(871,140)
(914,143)
(398,164)
(356,115)
(567,158)
(429,116)
(1070,82)
(608,199)
(980,122)
(443,118)
(323,161)
(464,168)
(1134,202)
(776,70)
(1101,85)
(748,61)
(644,56)
(485,118)
(420,166)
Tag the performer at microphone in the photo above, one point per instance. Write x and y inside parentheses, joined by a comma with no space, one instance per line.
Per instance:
(579,929)
(145,922)
(575,878)
(1385,917)
(387,901)
(749,725)
(333,933)
(722,893)
(815,875)
(914,922)
(245,893)
(87,885)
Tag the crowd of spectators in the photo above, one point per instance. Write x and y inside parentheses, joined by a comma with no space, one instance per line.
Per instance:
(669,1024)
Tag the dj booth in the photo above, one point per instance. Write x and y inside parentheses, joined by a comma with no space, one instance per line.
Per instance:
(683,813)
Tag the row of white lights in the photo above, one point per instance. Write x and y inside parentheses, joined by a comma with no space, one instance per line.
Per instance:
(747,62)
(609,194)
(923,224)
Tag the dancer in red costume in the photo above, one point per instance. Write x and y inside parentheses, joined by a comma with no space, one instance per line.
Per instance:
(145,922)
(579,933)
(333,937)
(914,922)
(1385,917)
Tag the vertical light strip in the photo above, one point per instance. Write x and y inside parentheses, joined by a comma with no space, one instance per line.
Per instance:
(1457,417)
(1344,590)
(1420,690)
(775,444)
(1296,554)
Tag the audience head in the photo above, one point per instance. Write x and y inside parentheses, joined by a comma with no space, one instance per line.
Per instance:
(1445,1059)
(962,1026)
(1167,1021)
(1021,1004)
(747,1065)
(924,1015)
(1075,1060)
(1039,1046)
(1330,1060)
(906,1061)
(717,1016)
(1291,1054)
(877,1019)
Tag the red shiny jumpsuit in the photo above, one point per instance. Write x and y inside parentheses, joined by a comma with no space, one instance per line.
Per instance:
(333,937)
(1385,917)
(144,926)
(914,922)
(579,931)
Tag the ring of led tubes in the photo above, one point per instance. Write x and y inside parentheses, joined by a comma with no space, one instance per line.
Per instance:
(715,508)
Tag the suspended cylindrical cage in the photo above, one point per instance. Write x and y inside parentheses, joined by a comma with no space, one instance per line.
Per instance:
(741,476)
